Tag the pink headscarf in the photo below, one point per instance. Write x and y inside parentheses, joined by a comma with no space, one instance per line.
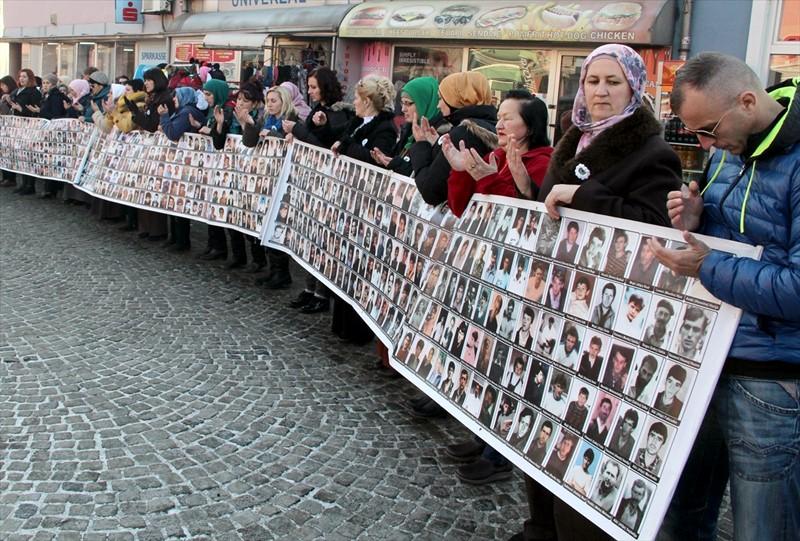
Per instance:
(302,108)
(203,72)
(80,87)
(635,72)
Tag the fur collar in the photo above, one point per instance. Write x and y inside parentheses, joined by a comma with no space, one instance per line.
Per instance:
(608,149)
(485,135)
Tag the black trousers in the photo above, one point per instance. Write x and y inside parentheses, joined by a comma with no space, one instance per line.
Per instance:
(238,247)
(346,324)
(216,239)
(278,260)
(181,228)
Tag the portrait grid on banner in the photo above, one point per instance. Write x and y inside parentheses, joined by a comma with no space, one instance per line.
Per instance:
(362,231)
(569,348)
(232,187)
(51,149)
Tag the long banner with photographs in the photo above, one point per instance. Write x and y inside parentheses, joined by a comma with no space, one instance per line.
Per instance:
(563,343)
(231,187)
(51,149)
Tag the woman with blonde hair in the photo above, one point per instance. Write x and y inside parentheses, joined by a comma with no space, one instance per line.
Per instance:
(373,127)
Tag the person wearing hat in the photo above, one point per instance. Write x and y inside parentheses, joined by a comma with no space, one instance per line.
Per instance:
(100,88)
(465,101)
(52,105)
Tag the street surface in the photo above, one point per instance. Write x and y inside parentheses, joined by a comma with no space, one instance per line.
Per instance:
(148,395)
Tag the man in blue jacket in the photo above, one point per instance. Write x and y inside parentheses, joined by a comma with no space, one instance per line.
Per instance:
(751,195)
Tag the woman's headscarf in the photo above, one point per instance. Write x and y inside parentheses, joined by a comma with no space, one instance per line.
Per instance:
(185,95)
(635,72)
(219,89)
(465,88)
(80,88)
(117,91)
(203,72)
(424,92)
(300,105)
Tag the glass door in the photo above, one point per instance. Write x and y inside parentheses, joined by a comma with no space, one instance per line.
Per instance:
(569,75)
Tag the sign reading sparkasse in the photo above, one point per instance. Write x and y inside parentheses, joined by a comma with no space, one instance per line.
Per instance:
(586,21)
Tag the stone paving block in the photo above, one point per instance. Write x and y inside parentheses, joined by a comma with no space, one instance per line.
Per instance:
(149,395)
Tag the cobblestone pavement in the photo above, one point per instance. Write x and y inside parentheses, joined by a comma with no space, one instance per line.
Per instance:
(147,395)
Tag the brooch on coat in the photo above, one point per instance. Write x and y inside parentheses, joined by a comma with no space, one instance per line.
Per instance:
(582,172)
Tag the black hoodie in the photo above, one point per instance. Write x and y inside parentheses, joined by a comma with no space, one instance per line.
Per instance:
(148,118)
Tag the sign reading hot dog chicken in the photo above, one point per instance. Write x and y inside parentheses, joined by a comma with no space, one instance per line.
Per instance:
(591,21)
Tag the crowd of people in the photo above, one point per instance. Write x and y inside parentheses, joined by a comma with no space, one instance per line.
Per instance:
(612,160)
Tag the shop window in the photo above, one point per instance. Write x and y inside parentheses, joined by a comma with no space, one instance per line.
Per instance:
(509,69)
(412,62)
(105,56)
(85,56)
(49,58)
(66,62)
(789,25)
(25,52)
(125,59)
(782,67)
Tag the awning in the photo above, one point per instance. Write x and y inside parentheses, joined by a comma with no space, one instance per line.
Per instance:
(590,21)
(318,20)
(235,40)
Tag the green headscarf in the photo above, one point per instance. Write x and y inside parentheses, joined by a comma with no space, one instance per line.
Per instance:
(219,89)
(424,92)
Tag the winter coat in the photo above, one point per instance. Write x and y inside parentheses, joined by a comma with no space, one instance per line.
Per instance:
(176,124)
(85,102)
(401,158)
(98,99)
(121,117)
(461,186)
(148,118)
(250,135)
(26,96)
(630,170)
(756,200)
(227,113)
(53,105)
(339,115)
(431,168)
(359,138)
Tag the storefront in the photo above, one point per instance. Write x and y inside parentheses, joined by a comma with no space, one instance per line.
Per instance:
(538,45)
(773,47)
(289,40)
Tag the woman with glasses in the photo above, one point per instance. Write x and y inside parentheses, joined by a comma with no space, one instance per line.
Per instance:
(418,100)
(612,161)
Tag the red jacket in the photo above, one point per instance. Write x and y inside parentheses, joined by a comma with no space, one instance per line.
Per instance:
(461,186)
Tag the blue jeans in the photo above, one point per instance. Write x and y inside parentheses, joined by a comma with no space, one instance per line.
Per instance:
(751,433)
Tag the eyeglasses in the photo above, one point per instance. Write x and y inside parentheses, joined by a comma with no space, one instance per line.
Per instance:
(406,103)
(702,132)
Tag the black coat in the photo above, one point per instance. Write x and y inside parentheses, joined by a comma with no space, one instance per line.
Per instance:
(53,105)
(148,118)
(401,159)
(358,140)
(26,96)
(339,115)
(473,124)
(631,170)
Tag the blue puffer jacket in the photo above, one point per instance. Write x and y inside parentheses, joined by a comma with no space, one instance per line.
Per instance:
(768,291)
